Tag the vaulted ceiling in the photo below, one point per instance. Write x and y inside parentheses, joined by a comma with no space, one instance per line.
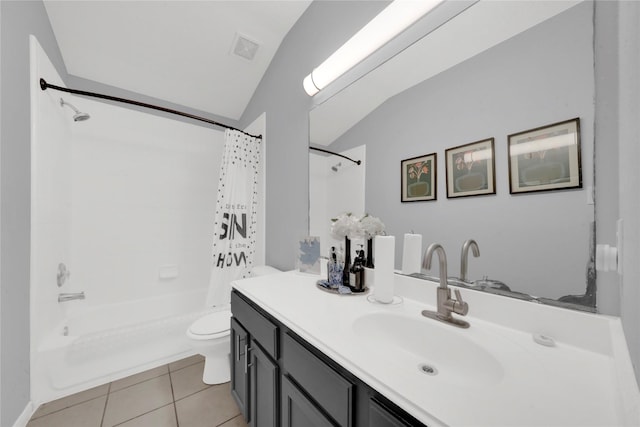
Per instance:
(179,51)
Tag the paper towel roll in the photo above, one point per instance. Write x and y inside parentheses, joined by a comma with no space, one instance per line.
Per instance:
(411,253)
(385,264)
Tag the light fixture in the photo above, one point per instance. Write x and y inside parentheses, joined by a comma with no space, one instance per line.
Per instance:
(393,20)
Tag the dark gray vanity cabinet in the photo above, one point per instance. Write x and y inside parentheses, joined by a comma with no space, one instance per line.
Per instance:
(279,379)
(263,385)
(380,416)
(255,376)
(240,367)
(298,409)
(331,392)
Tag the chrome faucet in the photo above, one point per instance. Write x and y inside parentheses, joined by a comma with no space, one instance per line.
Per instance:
(464,256)
(446,305)
(70,296)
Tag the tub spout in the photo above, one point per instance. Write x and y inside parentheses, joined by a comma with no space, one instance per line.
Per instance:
(70,296)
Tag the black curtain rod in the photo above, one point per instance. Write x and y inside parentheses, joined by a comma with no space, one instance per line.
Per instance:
(357,162)
(44,86)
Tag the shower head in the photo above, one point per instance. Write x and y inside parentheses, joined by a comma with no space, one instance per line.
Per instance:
(335,167)
(78,116)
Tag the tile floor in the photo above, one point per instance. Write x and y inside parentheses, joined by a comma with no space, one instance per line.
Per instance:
(172,395)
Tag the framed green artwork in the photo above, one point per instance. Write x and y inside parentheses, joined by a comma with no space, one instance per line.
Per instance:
(471,169)
(418,178)
(545,158)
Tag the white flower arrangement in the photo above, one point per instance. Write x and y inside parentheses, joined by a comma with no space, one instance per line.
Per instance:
(371,226)
(351,226)
(345,225)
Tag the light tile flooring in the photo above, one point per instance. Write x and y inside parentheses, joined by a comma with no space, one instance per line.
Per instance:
(172,395)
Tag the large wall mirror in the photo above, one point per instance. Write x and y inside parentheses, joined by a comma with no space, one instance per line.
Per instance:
(497,69)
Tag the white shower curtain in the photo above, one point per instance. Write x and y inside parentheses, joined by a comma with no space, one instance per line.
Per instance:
(234,240)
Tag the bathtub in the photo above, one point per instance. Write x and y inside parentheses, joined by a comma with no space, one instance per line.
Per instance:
(96,345)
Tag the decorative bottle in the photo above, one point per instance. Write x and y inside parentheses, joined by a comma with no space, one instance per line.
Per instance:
(356,273)
(334,272)
(338,272)
(347,261)
(369,263)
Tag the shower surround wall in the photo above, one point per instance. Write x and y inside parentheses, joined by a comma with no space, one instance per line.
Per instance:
(144,194)
(126,200)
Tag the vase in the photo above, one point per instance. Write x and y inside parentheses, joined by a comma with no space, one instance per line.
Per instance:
(369,263)
(347,261)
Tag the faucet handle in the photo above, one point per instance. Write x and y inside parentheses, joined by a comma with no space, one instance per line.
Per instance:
(459,306)
(63,274)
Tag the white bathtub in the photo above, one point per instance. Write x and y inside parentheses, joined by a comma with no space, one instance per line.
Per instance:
(96,345)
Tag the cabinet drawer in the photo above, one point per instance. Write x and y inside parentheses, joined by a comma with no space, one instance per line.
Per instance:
(259,327)
(330,390)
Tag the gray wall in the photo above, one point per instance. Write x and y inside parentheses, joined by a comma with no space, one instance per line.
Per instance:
(320,31)
(629,151)
(606,145)
(91,86)
(19,19)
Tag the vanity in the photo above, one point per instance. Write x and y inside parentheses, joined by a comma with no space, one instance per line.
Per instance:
(305,357)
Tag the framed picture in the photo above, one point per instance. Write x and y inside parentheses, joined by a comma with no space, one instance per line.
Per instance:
(308,260)
(471,169)
(546,158)
(418,178)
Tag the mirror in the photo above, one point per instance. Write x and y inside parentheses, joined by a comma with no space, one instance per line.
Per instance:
(473,79)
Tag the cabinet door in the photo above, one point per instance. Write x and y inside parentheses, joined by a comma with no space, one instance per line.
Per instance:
(263,385)
(379,416)
(239,367)
(297,410)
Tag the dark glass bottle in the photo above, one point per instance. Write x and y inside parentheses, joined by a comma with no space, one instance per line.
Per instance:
(347,262)
(356,273)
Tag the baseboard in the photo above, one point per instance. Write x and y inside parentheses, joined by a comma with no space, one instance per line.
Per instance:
(25,416)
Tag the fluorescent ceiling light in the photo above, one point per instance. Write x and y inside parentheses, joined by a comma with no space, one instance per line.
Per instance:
(393,20)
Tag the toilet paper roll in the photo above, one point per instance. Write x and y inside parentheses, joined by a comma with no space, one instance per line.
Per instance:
(385,264)
(411,253)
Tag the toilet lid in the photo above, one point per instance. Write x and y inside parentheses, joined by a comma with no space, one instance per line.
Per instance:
(217,323)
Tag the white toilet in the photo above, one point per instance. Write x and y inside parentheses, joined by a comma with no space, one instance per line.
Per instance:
(209,336)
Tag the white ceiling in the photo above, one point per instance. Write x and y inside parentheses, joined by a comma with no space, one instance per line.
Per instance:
(177,50)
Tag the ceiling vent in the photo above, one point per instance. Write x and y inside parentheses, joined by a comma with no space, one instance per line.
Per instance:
(244,47)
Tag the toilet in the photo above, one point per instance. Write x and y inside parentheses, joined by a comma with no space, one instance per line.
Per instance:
(209,336)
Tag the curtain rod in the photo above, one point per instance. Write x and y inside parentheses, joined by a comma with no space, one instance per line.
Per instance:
(44,86)
(357,162)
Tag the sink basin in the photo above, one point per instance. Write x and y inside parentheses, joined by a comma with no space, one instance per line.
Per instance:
(430,347)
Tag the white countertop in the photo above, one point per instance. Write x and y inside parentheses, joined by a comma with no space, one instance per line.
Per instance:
(585,379)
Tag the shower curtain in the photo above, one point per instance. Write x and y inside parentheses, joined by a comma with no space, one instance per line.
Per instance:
(234,240)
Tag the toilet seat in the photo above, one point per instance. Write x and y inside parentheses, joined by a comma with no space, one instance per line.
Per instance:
(211,326)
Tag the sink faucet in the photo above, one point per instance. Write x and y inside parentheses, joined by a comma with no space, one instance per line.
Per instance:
(446,305)
(70,296)
(464,256)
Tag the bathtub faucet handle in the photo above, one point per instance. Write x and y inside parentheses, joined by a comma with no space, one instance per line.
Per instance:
(63,274)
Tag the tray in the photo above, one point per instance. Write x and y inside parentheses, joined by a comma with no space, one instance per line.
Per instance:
(320,284)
